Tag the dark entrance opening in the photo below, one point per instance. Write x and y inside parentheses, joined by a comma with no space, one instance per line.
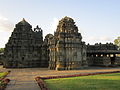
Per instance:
(22,58)
(112,60)
(1,63)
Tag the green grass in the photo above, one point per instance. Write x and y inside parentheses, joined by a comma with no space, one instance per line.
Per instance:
(95,82)
(2,74)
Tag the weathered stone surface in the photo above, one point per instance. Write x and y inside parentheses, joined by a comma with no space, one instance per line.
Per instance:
(1,58)
(24,48)
(67,51)
(103,55)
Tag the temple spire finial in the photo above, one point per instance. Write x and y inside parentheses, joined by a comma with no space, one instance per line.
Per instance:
(23,19)
(37,26)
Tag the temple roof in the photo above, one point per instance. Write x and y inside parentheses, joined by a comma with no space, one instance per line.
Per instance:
(23,22)
(103,48)
(68,19)
(49,36)
(68,24)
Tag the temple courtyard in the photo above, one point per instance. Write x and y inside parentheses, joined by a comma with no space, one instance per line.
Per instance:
(24,79)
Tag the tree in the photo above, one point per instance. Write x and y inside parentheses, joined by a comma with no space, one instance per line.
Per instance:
(117,42)
(1,50)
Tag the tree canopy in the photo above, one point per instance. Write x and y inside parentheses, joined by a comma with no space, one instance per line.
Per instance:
(117,42)
(1,50)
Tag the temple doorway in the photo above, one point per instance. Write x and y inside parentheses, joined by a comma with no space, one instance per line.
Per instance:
(112,60)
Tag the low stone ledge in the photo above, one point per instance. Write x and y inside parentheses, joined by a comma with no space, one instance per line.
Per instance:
(41,83)
(76,75)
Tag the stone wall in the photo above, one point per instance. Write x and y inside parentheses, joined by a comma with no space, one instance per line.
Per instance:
(117,61)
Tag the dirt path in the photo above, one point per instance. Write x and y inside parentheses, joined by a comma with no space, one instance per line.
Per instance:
(23,79)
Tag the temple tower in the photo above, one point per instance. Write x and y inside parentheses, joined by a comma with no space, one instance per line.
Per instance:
(67,51)
(24,46)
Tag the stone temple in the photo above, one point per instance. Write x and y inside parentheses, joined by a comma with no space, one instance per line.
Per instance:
(64,50)
(25,47)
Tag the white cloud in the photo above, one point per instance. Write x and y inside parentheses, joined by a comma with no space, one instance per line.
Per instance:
(6,28)
(5,24)
(92,38)
(105,38)
(4,36)
(54,24)
(97,39)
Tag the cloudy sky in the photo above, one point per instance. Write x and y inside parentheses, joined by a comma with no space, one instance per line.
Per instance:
(97,20)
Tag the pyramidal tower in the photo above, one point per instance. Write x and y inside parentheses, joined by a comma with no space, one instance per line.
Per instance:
(24,46)
(67,50)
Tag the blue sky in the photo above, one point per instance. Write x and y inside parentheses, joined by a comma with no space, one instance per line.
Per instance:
(97,20)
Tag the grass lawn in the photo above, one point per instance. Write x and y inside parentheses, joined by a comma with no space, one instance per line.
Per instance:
(95,82)
(2,74)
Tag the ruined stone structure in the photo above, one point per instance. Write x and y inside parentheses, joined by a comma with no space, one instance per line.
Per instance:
(66,49)
(24,48)
(1,58)
(103,55)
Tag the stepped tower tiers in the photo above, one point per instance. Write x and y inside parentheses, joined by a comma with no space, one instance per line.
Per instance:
(24,46)
(67,51)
